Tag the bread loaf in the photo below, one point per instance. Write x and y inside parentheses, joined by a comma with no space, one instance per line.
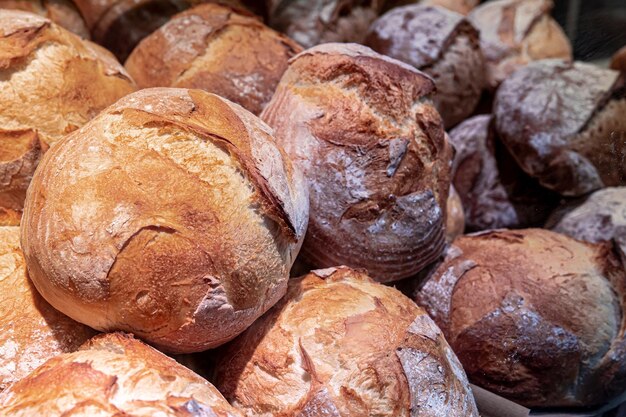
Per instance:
(441,43)
(214,48)
(460,6)
(172,215)
(618,62)
(53,83)
(61,12)
(534,316)
(114,375)
(455,221)
(564,124)
(339,344)
(372,146)
(514,33)
(31,331)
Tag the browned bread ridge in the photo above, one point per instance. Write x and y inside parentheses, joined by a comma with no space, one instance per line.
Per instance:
(172,215)
(455,221)
(533,315)
(114,375)
(217,49)
(618,62)
(372,146)
(339,344)
(61,12)
(460,6)
(31,331)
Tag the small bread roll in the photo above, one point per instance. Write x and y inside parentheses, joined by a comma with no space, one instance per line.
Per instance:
(534,316)
(495,192)
(31,331)
(514,33)
(441,43)
(455,221)
(214,48)
(618,62)
(564,124)
(53,83)
(312,22)
(114,375)
(172,215)
(338,344)
(372,146)
(460,6)
(61,12)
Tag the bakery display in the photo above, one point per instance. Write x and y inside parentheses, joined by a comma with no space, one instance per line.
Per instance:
(460,6)
(533,315)
(214,48)
(441,43)
(313,22)
(52,83)
(61,12)
(455,220)
(339,344)
(31,331)
(374,152)
(494,191)
(172,215)
(114,375)
(514,33)
(563,123)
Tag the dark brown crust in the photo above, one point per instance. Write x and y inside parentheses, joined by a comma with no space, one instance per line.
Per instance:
(618,62)
(374,151)
(372,351)
(543,113)
(244,63)
(534,316)
(495,192)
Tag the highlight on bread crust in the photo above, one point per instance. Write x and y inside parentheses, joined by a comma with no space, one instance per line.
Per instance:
(114,375)
(455,220)
(460,6)
(339,344)
(172,215)
(373,149)
(534,316)
(61,12)
(217,49)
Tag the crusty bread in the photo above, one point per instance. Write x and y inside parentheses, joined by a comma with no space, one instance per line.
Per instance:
(31,331)
(533,315)
(514,33)
(460,6)
(564,124)
(172,215)
(441,43)
(61,12)
(455,221)
(217,49)
(52,83)
(618,61)
(372,146)
(339,344)
(114,375)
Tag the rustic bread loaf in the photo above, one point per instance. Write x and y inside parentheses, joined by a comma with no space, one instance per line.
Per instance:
(61,12)
(372,146)
(172,215)
(618,62)
(217,49)
(338,344)
(114,375)
(533,315)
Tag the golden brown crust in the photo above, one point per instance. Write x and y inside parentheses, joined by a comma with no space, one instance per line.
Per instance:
(533,315)
(618,62)
(339,344)
(31,331)
(372,146)
(455,221)
(186,263)
(217,49)
(61,12)
(114,375)
(514,33)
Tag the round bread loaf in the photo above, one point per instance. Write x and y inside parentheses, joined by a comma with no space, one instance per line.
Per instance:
(600,217)
(31,331)
(312,22)
(460,6)
(339,344)
(494,191)
(372,146)
(455,221)
(618,62)
(61,12)
(441,43)
(114,375)
(514,33)
(534,316)
(172,215)
(53,82)
(214,48)
(564,124)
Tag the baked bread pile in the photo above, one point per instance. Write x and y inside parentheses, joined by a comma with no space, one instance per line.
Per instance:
(325,208)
